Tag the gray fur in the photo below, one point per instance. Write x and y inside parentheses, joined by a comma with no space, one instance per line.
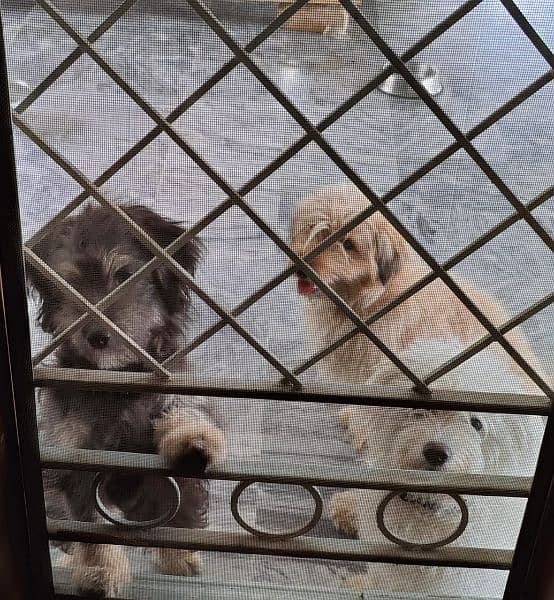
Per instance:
(94,251)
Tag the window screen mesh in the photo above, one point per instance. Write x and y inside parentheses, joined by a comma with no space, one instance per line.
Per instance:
(218,120)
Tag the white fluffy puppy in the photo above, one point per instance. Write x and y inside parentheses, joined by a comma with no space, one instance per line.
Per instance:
(454,442)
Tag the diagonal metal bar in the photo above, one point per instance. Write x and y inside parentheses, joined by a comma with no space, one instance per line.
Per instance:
(438,30)
(529,31)
(269,389)
(447,122)
(204,222)
(301,547)
(335,298)
(425,41)
(81,301)
(52,77)
(145,239)
(419,285)
(491,336)
(393,193)
(221,32)
(266,232)
(232,193)
(236,311)
(487,339)
(299,117)
(172,117)
(124,85)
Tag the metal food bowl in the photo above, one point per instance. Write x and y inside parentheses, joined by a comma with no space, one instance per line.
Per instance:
(396,85)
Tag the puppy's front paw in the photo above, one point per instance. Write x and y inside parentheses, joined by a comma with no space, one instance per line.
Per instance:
(192,446)
(343,512)
(99,582)
(100,571)
(178,562)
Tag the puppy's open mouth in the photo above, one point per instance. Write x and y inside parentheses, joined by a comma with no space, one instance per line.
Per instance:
(306,286)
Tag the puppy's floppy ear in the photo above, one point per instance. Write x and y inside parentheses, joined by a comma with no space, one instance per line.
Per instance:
(172,289)
(390,252)
(51,249)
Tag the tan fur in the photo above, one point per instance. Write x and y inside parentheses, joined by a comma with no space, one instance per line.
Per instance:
(183,563)
(368,277)
(345,415)
(176,434)
(343,511)
(100,569)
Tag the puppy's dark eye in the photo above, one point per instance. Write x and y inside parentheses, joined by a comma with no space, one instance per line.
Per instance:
(348,245)
(122,274)
(476,423)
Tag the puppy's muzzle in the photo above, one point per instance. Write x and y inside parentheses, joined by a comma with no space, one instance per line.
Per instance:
(435,454)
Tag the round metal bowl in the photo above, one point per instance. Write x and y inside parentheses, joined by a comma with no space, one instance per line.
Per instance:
(396,85)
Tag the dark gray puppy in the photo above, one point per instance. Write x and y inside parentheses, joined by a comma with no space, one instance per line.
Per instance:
(95,252)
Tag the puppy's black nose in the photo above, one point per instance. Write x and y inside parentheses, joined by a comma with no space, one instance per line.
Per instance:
(435,454)
(301,274)
(98,339)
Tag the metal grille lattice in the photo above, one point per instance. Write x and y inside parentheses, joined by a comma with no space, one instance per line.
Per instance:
(162,376)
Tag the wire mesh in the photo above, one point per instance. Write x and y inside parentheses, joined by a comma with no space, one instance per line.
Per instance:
(166,377)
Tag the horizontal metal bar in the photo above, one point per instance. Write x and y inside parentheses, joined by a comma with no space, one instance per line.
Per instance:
(302,547)
(355,476)
(146,586)
(180,383)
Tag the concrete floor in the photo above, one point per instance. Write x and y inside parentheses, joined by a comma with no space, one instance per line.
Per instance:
(239,128)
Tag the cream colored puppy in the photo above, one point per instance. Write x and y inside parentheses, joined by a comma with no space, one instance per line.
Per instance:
(445,441)
(370,267)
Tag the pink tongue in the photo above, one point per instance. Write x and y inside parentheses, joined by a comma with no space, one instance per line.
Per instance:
(306,286)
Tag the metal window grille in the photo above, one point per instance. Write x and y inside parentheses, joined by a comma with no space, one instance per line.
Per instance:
(287,384)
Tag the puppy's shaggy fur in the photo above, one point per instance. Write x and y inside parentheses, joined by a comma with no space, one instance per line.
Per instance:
(455,442)
(95,252)
(368,269)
